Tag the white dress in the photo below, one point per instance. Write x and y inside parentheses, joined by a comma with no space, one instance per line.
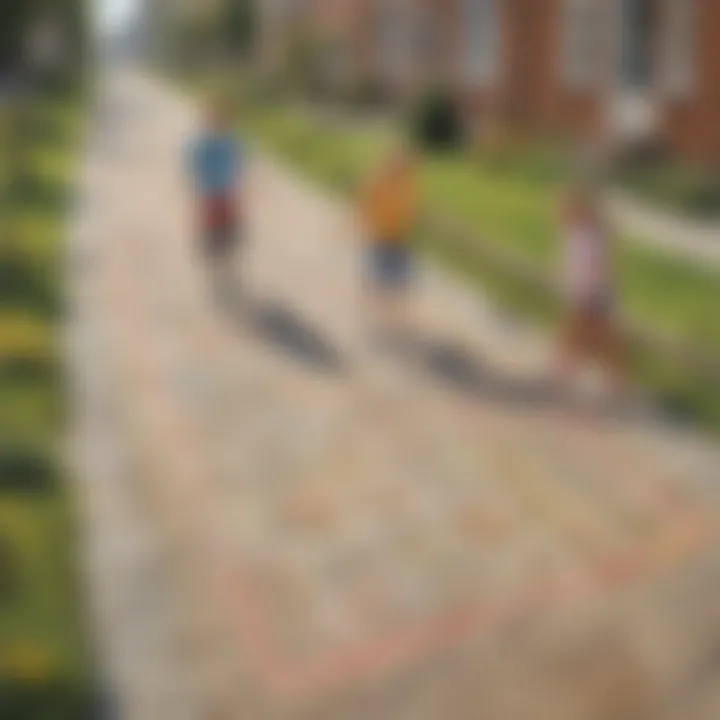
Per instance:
(586,278)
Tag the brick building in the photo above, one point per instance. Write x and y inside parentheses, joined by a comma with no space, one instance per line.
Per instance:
(611,69)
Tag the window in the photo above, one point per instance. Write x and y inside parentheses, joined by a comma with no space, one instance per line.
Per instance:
(426,37)
(482,41)
(394,37)
(639,36)
(678,46)
(583,33)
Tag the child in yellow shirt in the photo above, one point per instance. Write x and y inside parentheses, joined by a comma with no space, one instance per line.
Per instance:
(388,210)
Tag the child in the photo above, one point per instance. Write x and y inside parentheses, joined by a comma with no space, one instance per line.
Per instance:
(216,166)
(590,331)
(389,206)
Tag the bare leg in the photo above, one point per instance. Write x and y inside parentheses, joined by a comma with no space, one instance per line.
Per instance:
(223,279)
(612,357)
(567,355)
(372,309)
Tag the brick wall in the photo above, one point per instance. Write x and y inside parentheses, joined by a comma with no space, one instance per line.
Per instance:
(692,124)
(531,93)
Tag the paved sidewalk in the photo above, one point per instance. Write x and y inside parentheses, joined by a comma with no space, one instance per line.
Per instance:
(284,523)
(666,232)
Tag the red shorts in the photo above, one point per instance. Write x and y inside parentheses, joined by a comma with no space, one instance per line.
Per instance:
(218,213)
(219,225)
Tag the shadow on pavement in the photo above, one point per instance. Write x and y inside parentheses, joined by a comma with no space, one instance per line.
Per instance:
(462,371)
(457,368)
(282,329)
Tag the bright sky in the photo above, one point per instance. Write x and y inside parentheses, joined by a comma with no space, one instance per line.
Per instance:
(112,14)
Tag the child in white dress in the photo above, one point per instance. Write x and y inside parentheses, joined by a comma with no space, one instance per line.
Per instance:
(590,331)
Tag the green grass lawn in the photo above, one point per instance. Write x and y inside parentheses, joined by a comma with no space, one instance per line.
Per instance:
(44,670)
(506,215)
(665,293)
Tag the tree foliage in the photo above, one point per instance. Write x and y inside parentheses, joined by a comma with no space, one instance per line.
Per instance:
(239,25)
(17,18)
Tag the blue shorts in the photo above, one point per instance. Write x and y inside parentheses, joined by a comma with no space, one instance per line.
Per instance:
(389,265)
(221,241)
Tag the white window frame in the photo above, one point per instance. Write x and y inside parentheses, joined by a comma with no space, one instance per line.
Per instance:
(482,43)
(582,40)
(678,60)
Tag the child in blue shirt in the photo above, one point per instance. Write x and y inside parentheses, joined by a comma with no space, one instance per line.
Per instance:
(216,164)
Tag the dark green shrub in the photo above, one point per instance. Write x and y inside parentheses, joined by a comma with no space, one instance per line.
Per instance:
(366,92)
(304,58)
(26,471)
(538,162)
(641,155)
(707,197)
(264,90)
(677,186)
(436,123)
(24,285)
(47,699)
(9,574)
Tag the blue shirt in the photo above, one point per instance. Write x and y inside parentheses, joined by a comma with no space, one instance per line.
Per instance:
(215,164)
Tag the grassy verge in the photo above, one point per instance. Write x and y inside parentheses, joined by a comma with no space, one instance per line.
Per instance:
(691,191)
(43,660)
(496,225)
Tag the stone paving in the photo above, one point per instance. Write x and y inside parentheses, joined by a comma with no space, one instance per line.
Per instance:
(319,529)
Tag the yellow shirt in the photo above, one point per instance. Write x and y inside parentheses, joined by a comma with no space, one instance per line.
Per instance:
(389,207)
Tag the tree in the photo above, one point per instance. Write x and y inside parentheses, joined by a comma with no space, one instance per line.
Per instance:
(239,26)
(17,18)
